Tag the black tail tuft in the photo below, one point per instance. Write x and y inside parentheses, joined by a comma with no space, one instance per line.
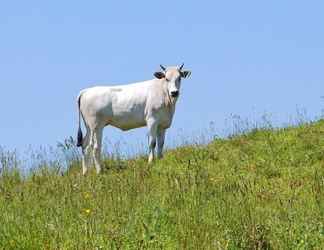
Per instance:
(80,138)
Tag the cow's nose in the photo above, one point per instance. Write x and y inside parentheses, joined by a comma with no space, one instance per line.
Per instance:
(175,93)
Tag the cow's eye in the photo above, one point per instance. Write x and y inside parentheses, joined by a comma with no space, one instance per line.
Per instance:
(167,79)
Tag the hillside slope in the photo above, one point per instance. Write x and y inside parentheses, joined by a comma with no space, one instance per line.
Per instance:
(262,190)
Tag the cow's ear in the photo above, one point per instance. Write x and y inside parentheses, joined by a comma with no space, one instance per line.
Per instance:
(185,73)
(159,75)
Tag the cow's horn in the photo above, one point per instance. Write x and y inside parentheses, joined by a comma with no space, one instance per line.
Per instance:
(181,67)
(162,67)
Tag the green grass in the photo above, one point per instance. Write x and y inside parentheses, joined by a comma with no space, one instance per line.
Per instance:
(260,190)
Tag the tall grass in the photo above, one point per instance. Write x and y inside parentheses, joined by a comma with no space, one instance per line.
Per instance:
(262,189)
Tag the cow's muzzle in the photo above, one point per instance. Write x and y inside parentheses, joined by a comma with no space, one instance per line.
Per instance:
(175,94)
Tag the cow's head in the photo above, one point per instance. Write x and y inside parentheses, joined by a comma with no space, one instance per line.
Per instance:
(172,77)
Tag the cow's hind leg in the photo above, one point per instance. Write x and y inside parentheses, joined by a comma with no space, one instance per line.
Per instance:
(152,126)
(97,142)
(86,149)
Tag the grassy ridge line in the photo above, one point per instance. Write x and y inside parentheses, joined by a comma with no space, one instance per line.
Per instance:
(262,190)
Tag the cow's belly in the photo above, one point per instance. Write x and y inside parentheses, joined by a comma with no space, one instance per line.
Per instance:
(126,124)
(126,112)
(128,120)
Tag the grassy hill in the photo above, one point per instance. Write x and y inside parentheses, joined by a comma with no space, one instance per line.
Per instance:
(260,190)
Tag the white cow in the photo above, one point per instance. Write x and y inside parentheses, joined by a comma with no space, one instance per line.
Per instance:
(149,103)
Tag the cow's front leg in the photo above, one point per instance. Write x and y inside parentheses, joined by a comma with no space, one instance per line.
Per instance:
(152,127)
(160,142)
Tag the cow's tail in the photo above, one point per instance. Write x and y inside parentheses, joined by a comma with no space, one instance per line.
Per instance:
(80,135)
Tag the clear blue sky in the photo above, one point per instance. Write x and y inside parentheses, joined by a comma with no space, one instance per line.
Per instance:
(246,57)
